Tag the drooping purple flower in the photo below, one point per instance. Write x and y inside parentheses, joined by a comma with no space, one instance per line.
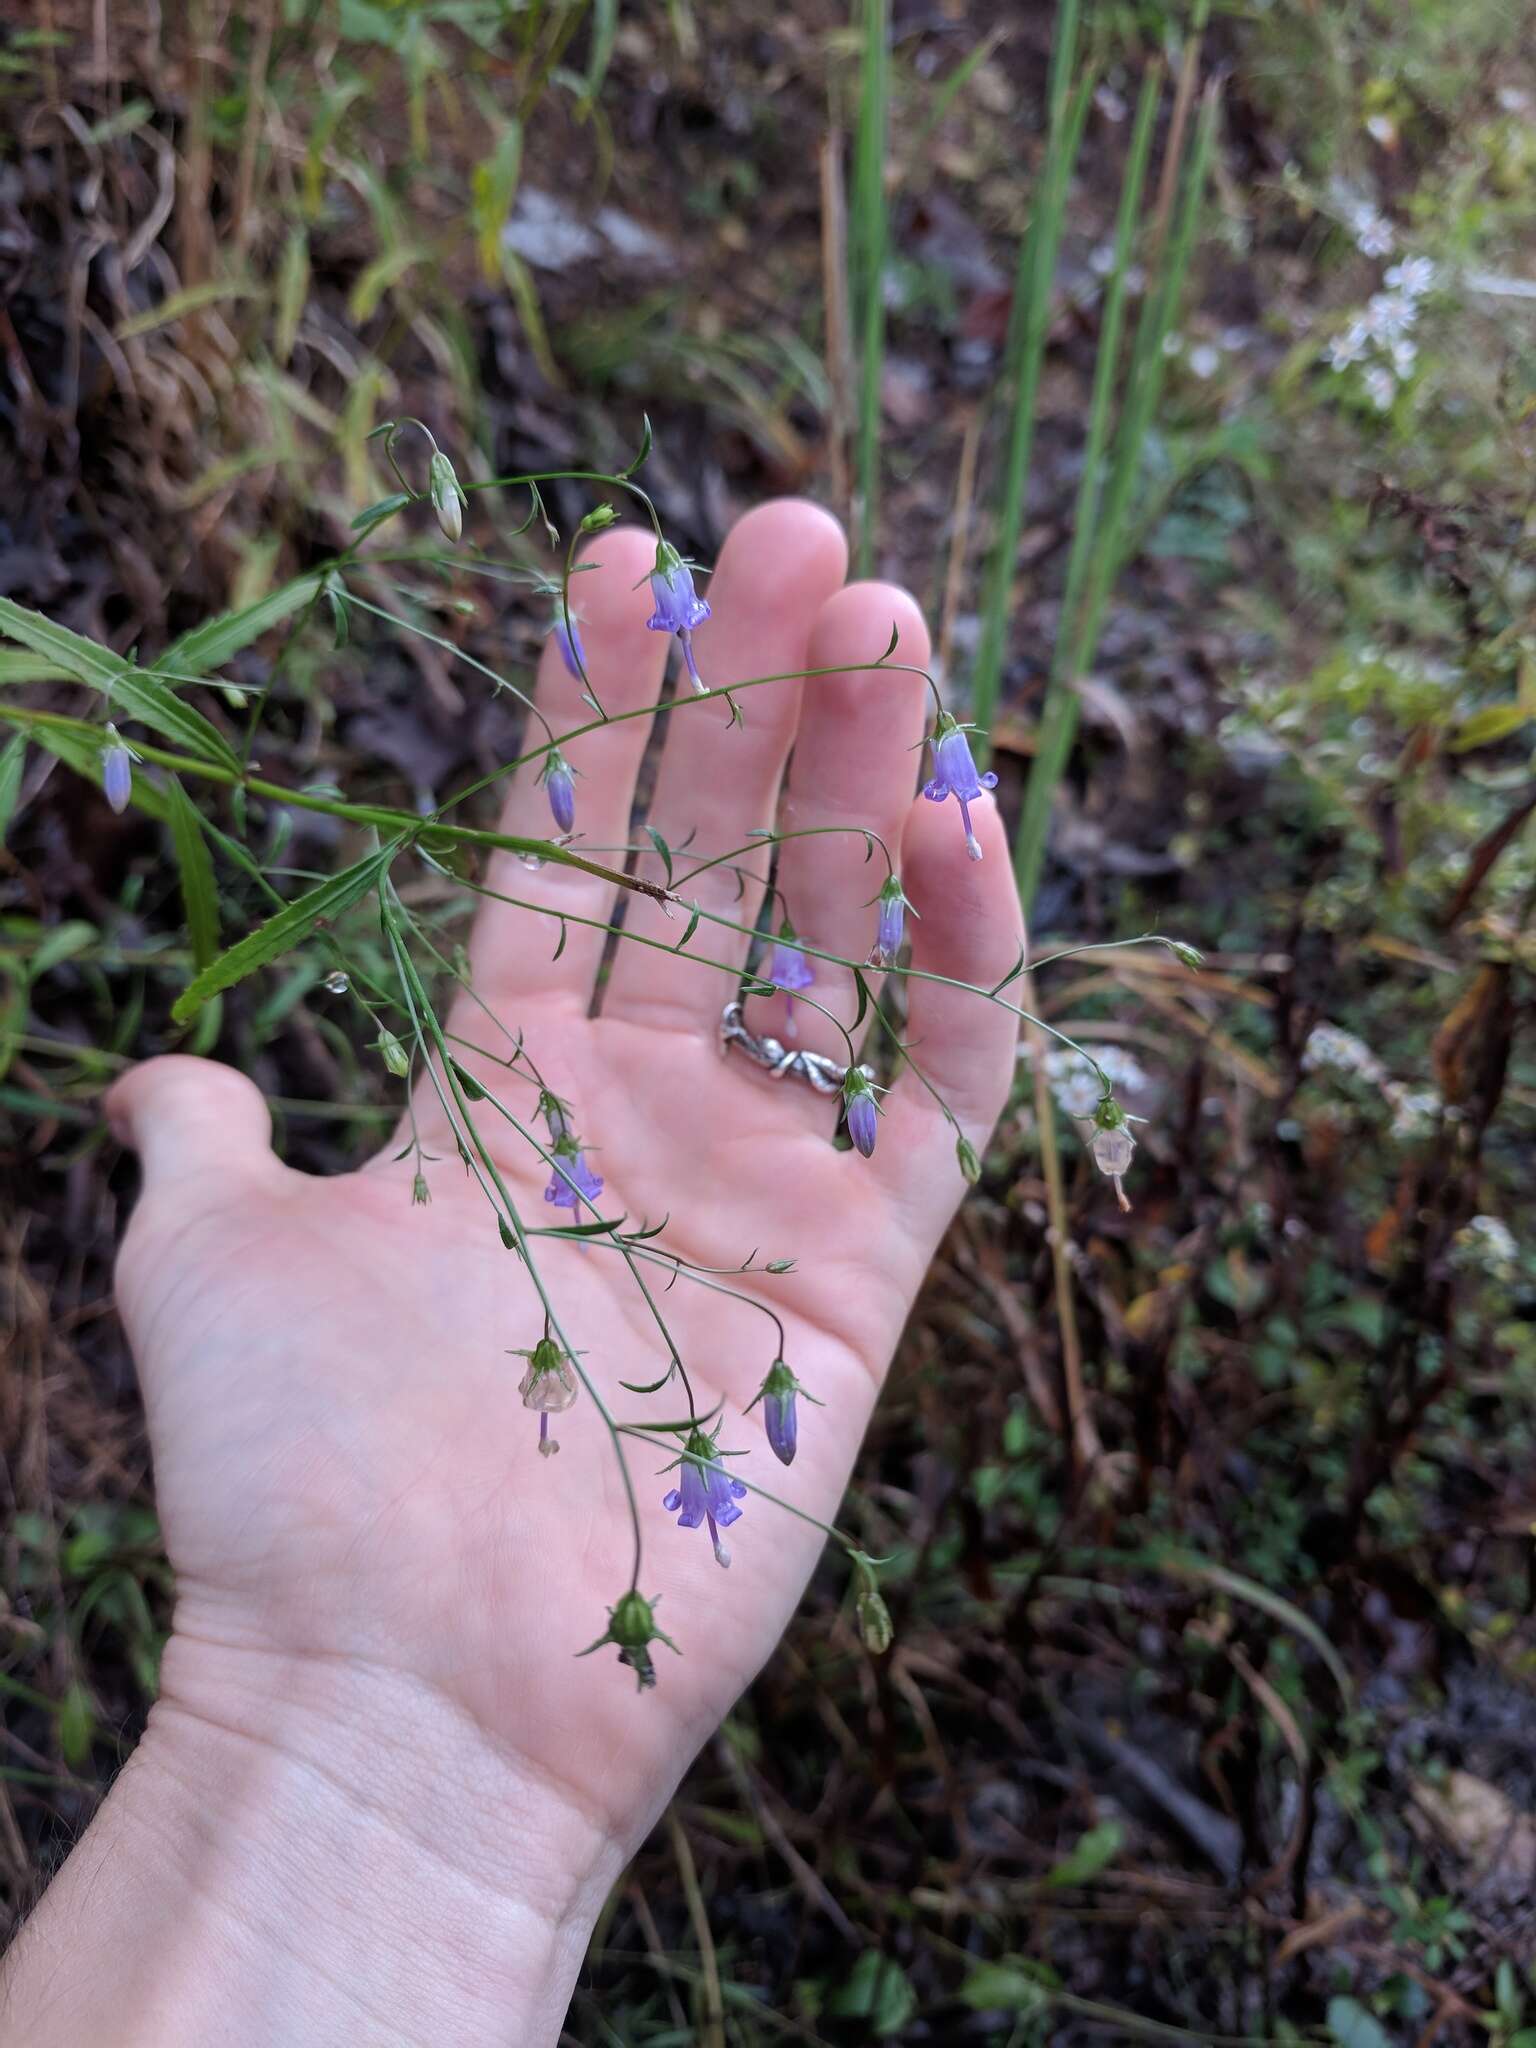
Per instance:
(954,774)
(116,771)
(679,608)
(560,788)
(572,1181)
(859,1112)
(568,640)
(890,923)
(705,1493)
(777,1395)
(789,970)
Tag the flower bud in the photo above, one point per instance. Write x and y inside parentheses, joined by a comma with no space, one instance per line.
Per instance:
(859,1112)
(970,1165)
(777,1395)
(632,1628)
(446,494)
(420,1193)
(394,1054)
(599,517)
(116,771)
(874,1617)
(679,608)
(560,789)
(890,924)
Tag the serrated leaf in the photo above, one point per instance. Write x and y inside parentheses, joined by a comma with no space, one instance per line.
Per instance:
(211,644)
(289,928)
(136,693)
(199,890)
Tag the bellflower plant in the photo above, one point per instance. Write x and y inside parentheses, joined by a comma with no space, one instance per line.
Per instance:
(954,774)
(416,1046)
(679,608)
(705,1493)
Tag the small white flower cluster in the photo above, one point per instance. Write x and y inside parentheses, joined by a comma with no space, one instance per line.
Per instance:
(1488,1245)
(1362,217)
(1414,1110)
(1381,336)
(1331,1046)
(1076,1086)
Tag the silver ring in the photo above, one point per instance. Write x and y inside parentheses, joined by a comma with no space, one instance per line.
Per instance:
(781,1061)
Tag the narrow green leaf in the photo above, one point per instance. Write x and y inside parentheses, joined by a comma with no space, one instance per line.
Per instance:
(12,761)
(199,890)
(211,644)
(375,514)
(179,304)
(292,290)
(290,926)
(133,693)
(663,849)
(1493,722)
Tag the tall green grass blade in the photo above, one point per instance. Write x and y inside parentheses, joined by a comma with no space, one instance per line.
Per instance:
(1108,550)
(868,234)
(1024,354)
(199,890)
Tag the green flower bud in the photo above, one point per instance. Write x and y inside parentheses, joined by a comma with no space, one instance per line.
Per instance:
(599,517)
(394,1054)
(970,1165)
(632,1628)
(447,497)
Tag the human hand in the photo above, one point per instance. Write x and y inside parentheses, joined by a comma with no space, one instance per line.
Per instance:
(364,1536)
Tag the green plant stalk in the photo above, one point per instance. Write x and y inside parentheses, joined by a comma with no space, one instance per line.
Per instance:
(1025,353)
(867,285)
(1107,551)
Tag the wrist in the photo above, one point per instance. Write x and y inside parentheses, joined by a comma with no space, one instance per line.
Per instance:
(312,1851)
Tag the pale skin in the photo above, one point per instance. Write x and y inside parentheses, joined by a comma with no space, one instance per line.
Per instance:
(380,1799)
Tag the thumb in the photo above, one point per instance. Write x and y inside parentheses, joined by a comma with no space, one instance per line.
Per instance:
(187,1117)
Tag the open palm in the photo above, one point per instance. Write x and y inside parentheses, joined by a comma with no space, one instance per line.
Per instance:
(346,1473)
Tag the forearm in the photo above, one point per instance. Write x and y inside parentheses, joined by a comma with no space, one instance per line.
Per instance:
(308,1855)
